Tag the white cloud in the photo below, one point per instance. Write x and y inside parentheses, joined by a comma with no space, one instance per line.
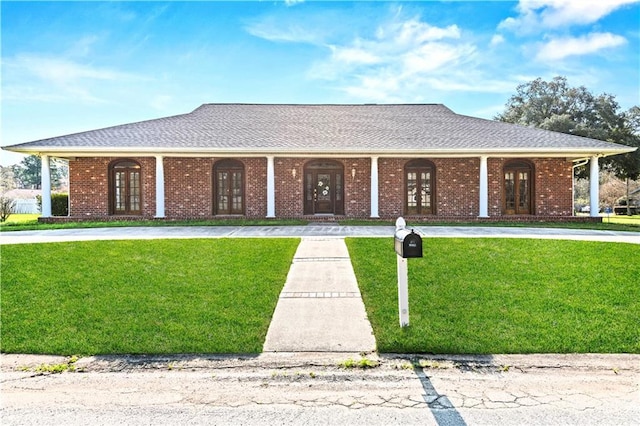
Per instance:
(561,48)
(354,55)
(496,40)
(394,60)
(539,15)
(56,78)
(434,56)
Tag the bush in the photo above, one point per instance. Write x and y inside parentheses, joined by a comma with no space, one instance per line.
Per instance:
(59,204)
(7,205)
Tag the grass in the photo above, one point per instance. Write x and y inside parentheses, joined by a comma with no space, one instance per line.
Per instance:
(154,297)
(29,222)
(488,296)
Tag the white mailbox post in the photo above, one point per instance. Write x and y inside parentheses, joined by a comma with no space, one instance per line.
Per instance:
(407,244)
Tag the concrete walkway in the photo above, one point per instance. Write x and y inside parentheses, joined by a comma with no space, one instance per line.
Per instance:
(320,308)
(311,230)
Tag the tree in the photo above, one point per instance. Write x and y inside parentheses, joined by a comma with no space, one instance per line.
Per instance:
(627,166)
(7,207)
(554,105)
(28,172)
(7,180)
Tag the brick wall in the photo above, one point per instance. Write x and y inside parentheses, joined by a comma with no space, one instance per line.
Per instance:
(289,188)
(256,186)
(553,186)
(357,187)
(391,184)
(89,186)
(189,186)
(456,186)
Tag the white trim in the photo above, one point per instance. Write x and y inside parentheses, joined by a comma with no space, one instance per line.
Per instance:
(159,186)
(374,188)
(271,187)
(45,185)
(594,187)
(572,154)
(484,188)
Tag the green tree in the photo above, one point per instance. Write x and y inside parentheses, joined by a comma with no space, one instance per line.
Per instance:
(29,172)
(627,166)
(554,105)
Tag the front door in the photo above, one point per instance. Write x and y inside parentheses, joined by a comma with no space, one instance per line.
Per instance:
(323,193)
(517,189)
(323,188)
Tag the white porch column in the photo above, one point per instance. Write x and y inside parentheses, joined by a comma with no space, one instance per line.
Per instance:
(484,188)
(271,187)
(594,188)
(159,186)
(45,185)
(374,187)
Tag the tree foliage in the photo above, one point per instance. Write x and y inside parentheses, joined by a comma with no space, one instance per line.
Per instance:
(28,173)
(554,105)
(7,179)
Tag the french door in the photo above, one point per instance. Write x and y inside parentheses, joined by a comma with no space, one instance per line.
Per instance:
(229,188)
(419,180)
(517,189)
(126,192)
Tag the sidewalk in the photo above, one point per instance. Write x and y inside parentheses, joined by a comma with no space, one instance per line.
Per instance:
(320,308)
(311,230)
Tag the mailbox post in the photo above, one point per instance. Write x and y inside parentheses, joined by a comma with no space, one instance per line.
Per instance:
(407,244)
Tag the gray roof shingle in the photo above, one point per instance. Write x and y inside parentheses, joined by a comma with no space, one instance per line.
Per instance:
(348,129)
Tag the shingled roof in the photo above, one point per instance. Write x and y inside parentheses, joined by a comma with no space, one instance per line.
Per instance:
(250,129)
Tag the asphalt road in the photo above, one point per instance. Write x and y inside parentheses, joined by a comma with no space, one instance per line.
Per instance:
(291,389)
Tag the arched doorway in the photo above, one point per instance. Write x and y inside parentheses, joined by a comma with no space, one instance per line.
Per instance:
(125,189)
(518,187)
(228,184)
(324,187)
(419,187)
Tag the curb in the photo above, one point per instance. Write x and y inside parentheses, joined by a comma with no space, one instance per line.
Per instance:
(281,360)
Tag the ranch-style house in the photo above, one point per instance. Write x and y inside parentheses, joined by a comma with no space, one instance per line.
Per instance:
(423,162)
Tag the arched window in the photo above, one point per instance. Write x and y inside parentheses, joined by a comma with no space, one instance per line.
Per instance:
(124,188)
(419,187)
(518,187)
(323,187)
(228,187)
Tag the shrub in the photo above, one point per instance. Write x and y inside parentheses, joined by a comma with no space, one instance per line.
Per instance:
(59,204)
(7,206)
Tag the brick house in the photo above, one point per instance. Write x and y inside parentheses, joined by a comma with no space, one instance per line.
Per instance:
(321,161)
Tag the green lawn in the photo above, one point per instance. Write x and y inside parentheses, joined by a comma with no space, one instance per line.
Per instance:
(504,296)
(218,296)
(158,296)
(28,222)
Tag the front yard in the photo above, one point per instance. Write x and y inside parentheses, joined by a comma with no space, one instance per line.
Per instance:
(504,296)
(136,297)
(218,295)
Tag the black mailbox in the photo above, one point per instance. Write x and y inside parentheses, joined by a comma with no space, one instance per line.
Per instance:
(408,243)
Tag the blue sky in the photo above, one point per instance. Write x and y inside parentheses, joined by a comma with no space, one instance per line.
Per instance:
(75,66)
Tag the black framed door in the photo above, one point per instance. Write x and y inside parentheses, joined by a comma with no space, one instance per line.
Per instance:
(324,188)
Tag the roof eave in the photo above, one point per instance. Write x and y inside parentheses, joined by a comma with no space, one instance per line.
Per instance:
(262,152)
